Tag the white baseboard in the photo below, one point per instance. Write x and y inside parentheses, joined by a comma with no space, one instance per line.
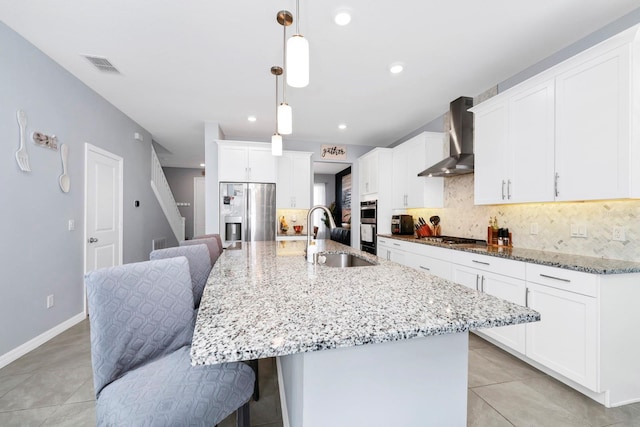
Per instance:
(25,348)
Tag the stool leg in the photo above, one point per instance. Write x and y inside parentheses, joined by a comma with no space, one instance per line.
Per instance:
(256,386)
(242,416)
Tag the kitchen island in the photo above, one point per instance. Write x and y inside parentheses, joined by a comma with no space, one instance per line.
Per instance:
(377,345)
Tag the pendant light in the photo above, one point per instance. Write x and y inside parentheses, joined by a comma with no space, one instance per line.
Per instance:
(276,138)
(297,64)
(285,114)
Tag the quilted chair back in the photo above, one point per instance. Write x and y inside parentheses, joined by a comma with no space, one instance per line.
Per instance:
(212,236)
(137,312)
(199,265)
(212,244)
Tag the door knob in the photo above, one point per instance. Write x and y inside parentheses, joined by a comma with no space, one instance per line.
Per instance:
(92,240)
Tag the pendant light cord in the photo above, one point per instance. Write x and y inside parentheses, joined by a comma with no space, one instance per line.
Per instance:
(276,104)
(284,63)
(297,16)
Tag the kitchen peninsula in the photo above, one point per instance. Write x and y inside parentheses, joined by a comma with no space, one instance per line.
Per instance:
(332,328)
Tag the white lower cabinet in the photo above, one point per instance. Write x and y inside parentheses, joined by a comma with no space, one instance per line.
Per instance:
(565,339)
(502,286)
(586,336)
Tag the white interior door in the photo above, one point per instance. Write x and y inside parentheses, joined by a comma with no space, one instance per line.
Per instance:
(103,208)
(198,206)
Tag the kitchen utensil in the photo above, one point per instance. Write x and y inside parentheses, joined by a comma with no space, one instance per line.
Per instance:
(435,221)
(21,155)
(64,180)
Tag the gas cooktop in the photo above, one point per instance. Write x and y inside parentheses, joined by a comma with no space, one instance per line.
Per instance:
(452,240)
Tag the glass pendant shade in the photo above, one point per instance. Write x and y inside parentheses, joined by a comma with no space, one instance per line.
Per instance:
(276,145)
(285,119)
(297,61)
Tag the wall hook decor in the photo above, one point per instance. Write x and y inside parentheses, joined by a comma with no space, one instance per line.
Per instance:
(22,157)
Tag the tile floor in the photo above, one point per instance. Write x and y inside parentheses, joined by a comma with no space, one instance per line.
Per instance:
(52,386)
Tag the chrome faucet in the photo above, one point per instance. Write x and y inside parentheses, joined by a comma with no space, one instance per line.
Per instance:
(332,225)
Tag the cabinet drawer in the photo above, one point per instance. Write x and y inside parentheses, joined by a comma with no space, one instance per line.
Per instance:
(491,264)
(568,280)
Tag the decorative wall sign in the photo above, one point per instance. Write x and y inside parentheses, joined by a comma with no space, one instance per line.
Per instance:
(334,152)
(48,141)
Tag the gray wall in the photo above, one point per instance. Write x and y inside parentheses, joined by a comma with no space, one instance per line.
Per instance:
(330,181)
(39,255)
(181,183)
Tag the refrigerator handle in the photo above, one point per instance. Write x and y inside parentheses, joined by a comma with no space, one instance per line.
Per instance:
(247,214)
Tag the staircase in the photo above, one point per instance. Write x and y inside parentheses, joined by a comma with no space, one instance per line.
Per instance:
(164,195)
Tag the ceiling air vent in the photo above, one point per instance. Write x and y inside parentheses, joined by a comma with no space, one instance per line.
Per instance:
(102,64)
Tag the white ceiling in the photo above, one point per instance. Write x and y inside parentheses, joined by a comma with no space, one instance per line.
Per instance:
(187,62)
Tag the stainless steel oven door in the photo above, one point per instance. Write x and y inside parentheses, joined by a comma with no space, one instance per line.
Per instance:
(368,238)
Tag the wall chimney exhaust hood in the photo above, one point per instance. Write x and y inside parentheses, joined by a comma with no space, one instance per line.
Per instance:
(461,158)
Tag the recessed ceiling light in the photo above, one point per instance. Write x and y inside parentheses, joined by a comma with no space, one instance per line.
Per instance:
(396,68)
(342,126)
(342,18)
(252,118)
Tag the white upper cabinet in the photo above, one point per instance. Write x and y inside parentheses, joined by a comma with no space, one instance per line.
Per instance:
(374,167)
(514,142)
(245,162)
(592,132)
(566,134)
(293,188)
(409,159)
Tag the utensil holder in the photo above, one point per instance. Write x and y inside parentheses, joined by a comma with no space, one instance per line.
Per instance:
(424,231)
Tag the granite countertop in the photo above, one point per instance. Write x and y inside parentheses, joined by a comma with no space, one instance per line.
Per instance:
(584,264)
(263,299)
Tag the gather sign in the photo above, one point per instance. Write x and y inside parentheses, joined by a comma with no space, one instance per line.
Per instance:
(334,152)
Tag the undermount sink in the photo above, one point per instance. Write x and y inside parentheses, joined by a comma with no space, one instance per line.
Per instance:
(342,260)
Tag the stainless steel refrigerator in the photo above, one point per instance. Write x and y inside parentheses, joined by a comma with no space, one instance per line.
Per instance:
(247,211)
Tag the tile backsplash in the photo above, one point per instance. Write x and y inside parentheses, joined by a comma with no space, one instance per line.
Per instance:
(460,217)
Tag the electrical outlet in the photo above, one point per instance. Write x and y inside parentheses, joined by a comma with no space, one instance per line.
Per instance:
(579,230)
(618,234)
(50,301)
(533,228)
(72,225)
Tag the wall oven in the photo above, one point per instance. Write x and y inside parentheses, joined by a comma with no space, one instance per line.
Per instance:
(368,223)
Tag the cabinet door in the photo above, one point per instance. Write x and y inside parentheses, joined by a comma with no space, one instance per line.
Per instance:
(469,277)
(592,128)
(400,175)
(565,339)
(233,164)
(301,181)
(364,166)
(531,145)
(512,290)
(373,169)
(261,165)
(284,184)
(490,146)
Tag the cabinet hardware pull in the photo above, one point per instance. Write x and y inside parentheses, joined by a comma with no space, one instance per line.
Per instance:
(482,285)
(509,189)
(503,183)
(555,278)
(396,244)
(425,268)
(480,262)
(526,297)
(477,278)
(555,184)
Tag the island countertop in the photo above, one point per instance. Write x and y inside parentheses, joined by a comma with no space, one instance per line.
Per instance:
(263,299)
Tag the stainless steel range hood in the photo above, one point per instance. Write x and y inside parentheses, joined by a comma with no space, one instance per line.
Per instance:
(461,159)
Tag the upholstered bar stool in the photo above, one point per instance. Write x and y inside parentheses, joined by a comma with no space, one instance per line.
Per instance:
(141,328)
(214,236)
(214,249)
(199,265)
